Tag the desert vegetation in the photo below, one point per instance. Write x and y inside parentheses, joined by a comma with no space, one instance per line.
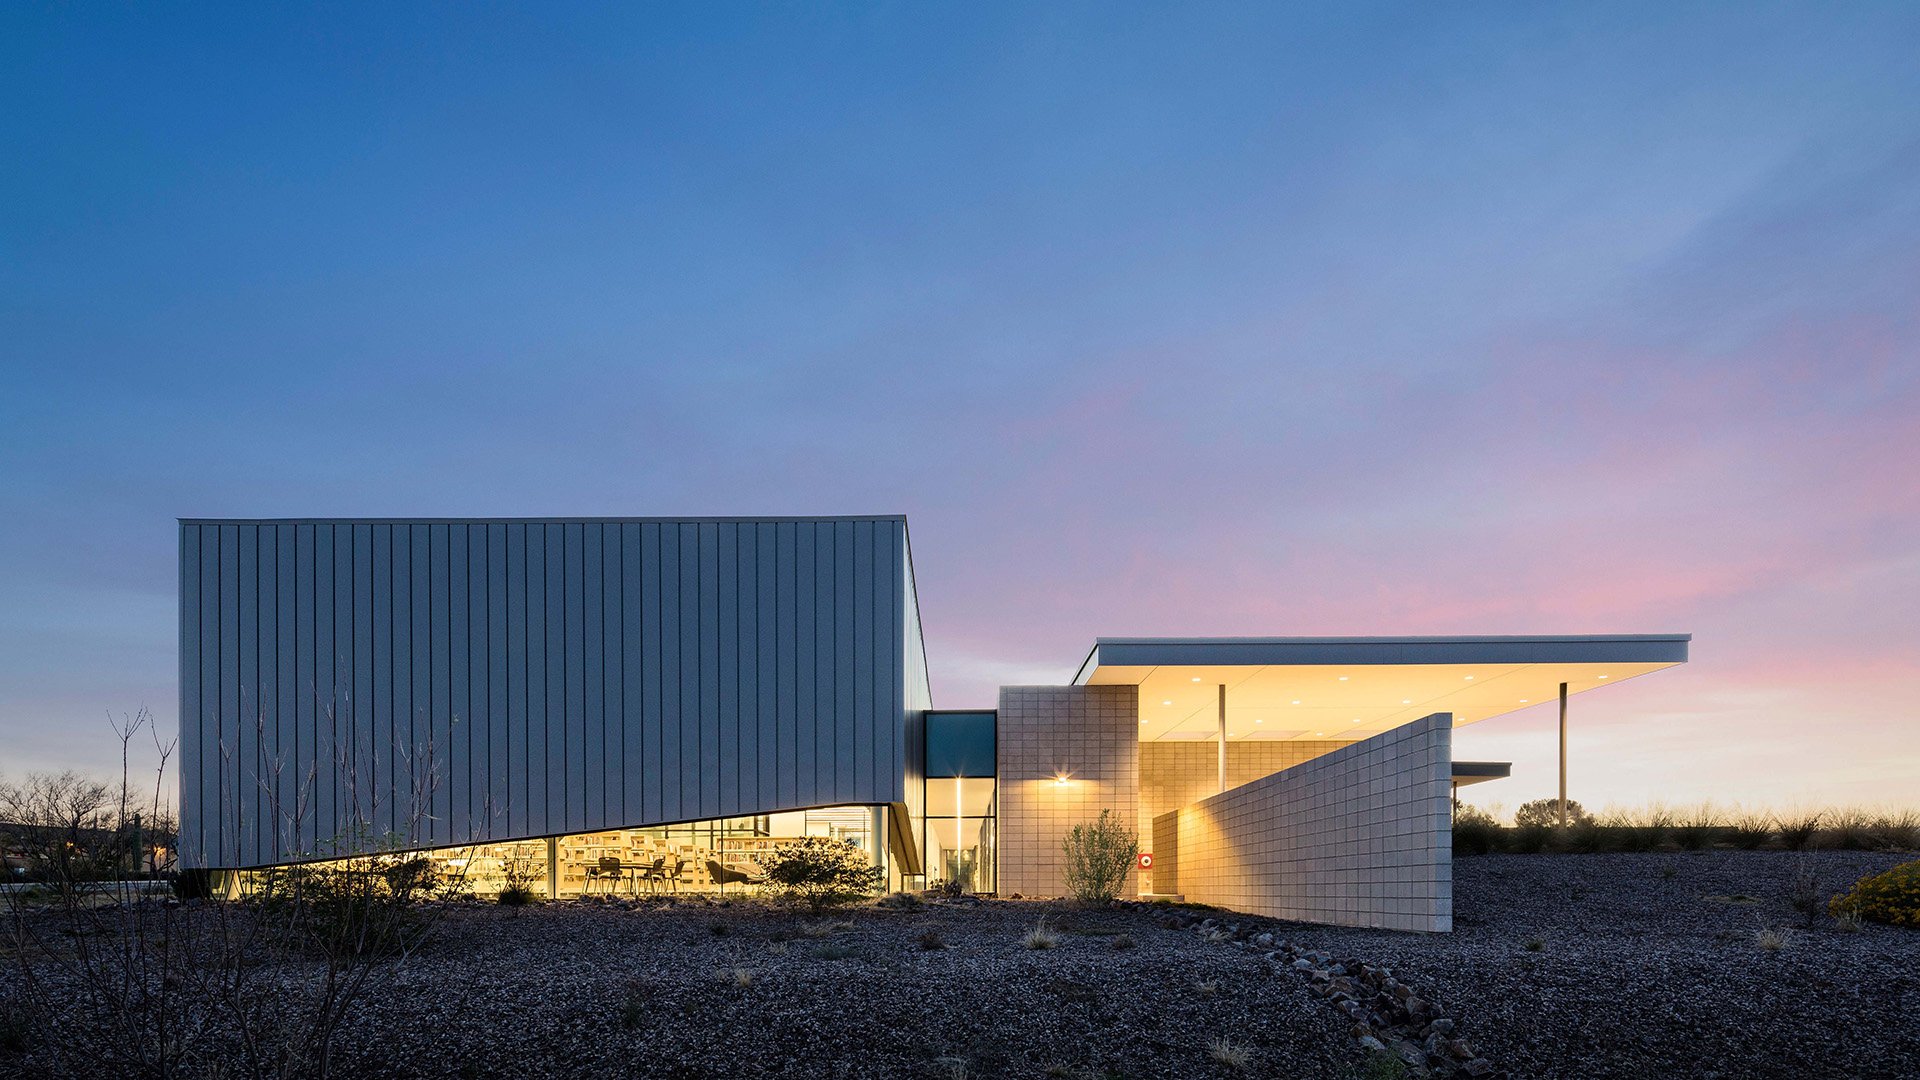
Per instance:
(1534,828)
(309,970)
(962,987)
(1891,896)
(821,873)
(1664,963)
(66,832)
(109,977)
(1099,858)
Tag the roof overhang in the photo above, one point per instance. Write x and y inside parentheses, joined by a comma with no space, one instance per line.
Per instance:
(1479,772)
(1345,688)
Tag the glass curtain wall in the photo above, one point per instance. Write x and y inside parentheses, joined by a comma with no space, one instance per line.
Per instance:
(958,831)
(721,855)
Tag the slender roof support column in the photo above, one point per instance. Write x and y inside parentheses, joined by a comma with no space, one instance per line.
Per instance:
(1223,736)
(1563,755)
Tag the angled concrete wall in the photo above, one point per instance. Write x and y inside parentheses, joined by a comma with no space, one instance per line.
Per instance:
(1174,773)
(1361,836)
(463,681)
(1090,733)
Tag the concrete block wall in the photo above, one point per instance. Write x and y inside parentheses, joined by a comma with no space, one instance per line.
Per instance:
(1089,733)
(1175,773)
(1361,836)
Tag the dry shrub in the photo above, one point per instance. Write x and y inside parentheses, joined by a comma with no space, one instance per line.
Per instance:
(1799,831)
(117,984)
(1099,858)
(1040,937)
(1229,1055)
(1749,830)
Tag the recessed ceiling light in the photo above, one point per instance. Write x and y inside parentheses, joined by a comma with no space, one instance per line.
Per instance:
(1196,678)
(1406,701)
(1296,701)
(1258,720)
(1469,678)
(1343,678)
(1603,676)
(1166,702)
(1143,721)
(1523,701)
(1319,733)
(1356,719)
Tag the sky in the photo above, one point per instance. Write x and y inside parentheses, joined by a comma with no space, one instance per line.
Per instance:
(1153,320)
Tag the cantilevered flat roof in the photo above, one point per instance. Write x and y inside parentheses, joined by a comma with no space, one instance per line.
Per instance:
(1631,648)
(1318,688)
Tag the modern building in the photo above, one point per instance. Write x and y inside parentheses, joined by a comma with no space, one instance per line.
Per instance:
(653,703)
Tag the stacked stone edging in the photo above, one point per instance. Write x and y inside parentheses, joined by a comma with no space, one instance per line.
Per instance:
(1386,1014)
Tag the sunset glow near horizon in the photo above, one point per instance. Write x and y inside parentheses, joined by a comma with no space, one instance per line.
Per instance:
(1157,323)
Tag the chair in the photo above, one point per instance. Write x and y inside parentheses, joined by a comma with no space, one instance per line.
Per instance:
(673,875)
(724,876)
(608,871)
(650,875)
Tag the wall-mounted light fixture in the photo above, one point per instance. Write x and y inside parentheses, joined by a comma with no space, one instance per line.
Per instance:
(1060,778)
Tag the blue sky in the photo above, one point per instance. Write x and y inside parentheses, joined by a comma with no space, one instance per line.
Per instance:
(1269,319)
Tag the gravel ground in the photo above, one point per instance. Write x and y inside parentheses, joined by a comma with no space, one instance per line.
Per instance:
(1647,966)
(546,993)
(1574,966)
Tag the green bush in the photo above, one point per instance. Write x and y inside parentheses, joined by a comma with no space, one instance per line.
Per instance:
(1099,858)
(1547,812)
(366,905)
(1529,839)
(1587,837)
(821,873)
(1892,897)
(1475,832)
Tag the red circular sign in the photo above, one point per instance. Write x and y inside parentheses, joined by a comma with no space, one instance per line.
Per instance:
(1146,860)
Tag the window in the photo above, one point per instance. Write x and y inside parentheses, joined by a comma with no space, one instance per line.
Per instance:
(958,830)
(722,855)
(960,744)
